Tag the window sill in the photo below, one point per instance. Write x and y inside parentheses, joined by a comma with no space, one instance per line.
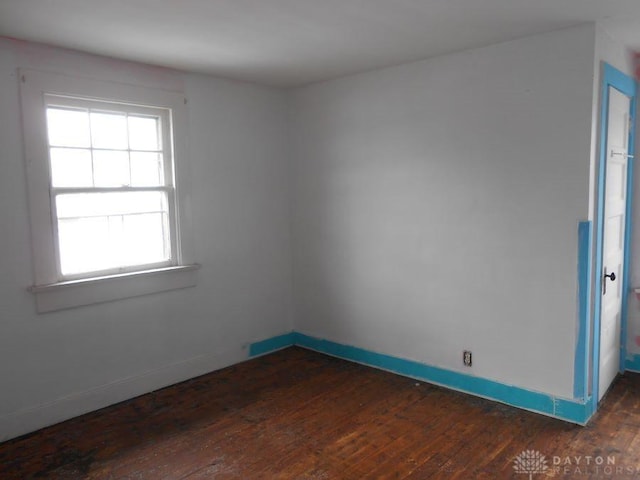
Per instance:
(89,291)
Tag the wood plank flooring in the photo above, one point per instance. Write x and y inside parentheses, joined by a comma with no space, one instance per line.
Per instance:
(297,414)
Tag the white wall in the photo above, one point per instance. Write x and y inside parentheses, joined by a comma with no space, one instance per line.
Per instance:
(55,366)
(436,207)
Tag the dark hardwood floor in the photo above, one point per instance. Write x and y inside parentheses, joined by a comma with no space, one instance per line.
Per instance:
(297,414)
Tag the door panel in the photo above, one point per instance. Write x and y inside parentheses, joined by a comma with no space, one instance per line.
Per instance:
(614,234)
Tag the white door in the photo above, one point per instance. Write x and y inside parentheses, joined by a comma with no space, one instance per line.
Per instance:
(614,227)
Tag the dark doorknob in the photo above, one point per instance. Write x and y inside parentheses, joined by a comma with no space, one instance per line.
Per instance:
(611,276)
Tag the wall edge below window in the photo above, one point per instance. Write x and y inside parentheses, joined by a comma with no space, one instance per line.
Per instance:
(89,291)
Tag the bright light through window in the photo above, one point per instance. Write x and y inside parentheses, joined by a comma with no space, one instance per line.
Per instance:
(111,187)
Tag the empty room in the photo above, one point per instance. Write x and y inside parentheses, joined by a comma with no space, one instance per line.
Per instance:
(388,239)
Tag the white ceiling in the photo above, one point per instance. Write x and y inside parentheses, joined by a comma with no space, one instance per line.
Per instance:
(296,42)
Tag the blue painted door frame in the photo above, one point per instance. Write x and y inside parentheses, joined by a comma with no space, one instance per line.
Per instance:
(611,77)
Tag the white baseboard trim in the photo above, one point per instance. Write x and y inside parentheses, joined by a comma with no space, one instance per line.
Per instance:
(30,419)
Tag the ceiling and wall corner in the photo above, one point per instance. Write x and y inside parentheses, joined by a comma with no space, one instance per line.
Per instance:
(296,42)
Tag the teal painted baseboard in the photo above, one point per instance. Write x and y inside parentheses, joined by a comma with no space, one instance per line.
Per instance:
(574,411)
(632,363)
(271,344)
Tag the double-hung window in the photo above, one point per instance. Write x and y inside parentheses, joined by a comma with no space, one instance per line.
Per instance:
(112,188)
(103,184)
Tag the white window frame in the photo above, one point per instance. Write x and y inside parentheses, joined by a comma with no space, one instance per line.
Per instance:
(52,290)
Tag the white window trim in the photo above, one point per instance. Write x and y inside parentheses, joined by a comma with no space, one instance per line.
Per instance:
(52,293)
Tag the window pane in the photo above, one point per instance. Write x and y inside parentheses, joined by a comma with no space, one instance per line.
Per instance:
(146,169)
(145,239)
(84,245)
(71,167)
(68,128)
(107,231)
(70,205)
(109,130)
(110,168)
(143,133)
